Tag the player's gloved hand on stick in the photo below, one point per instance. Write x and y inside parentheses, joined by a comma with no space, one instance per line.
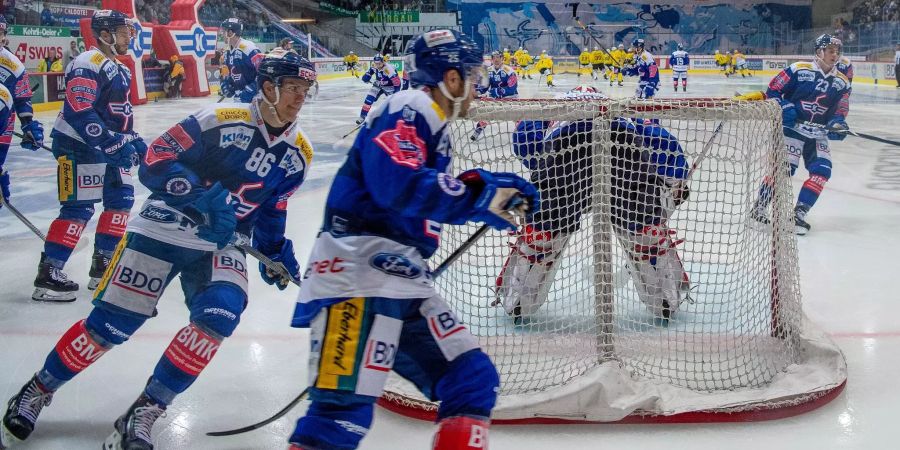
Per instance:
(4,185)
(286,257)
(246,95)
(837,123)
(788,114)
(215,205)
(227,89)
(34,131)
(500,197)
(119,150)
(367,76)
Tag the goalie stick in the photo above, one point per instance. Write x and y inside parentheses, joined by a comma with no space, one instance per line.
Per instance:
(514,203)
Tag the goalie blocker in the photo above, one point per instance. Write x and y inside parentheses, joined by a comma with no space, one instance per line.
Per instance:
(647,186)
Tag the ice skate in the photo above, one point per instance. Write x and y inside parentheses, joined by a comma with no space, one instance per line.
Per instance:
(99,263)
(52,285)
(133,429)
(22,412)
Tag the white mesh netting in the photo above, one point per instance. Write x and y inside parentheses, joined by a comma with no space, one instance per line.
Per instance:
(609,324)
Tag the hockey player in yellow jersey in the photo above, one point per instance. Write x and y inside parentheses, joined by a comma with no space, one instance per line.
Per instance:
(619,57)
(525,61)
(544,65)
(739,64)
(516,61)
(506,56)
(722,60)
(351,61)
(584,62)
(729,64)
(597,62)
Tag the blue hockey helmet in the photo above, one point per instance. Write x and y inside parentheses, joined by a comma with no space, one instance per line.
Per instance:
(281,64)
(3,25)
(432,53)
(638,43)
(378,58)
(109,20)
(234,25)
(826,39)
(680,47)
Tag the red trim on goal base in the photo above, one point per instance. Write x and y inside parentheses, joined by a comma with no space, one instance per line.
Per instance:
(686,417)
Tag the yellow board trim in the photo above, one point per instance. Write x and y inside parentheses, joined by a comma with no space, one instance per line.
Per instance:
(341,340)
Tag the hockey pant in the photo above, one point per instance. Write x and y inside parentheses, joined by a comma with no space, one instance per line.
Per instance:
(655,268)
(83,179)
(646,89)
(374,94)
(525,279)
(679,76)
(355,344)
(816,159)
(215,288)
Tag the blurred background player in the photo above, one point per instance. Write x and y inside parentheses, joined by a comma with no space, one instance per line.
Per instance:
(739,64)
(507,56)
(242,59)
(584,62)
(647,185)
(525,61)
(722,61)
(544,65)
(645,68)
(619,58)
(376,231)
(174,77)
(502,83)
(350,62)
(515,62)
(845,66)
(189,174)
(598,63)
(814,98)
(385,81)
(6,107)
(680,62)
(94,143)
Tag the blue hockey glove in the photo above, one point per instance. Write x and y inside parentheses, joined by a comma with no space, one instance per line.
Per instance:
(285,257)
(367,76)
(226,88)
(34,134)
(246,95)
(788,114)
(119,150)
(4,185)
(837,123)
(215,205)
(500,198)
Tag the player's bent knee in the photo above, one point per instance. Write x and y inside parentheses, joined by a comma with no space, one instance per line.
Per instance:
(111,327)
(469,387)
(821,167)
(218,308)
(333,425)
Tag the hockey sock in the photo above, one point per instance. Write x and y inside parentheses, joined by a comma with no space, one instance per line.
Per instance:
(462,433)
(62,237)
(765,193)
(110,229)
(187,355)
(811,190)
(76,350)
(333,425)
(684,83)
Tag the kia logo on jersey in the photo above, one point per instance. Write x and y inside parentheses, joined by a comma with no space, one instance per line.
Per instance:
(394,264)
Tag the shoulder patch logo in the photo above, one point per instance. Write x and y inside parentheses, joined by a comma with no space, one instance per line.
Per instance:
(403,145)
(98,58)
(305,148)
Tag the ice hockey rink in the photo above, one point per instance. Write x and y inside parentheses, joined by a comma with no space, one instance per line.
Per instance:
(849,284)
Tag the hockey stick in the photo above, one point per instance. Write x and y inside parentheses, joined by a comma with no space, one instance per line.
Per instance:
(853,133)
(358,126)
(434,275)
(22,217)
(243,243)
(704,152)
(596,41)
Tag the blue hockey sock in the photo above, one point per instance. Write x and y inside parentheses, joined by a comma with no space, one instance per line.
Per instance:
(811,190)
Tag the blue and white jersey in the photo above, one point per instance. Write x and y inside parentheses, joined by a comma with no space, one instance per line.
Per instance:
(242,61)
(502,82)
(645,68)
(680,61)
(6,109)
(14,78)
(385,78)
(96,105)
(230,145)
(394,183)
(817,96)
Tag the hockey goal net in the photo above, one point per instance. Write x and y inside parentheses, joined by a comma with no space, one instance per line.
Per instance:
(595,349)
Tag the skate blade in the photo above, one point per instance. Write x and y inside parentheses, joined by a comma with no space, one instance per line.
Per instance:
(93,283)
(46,295)
(7,439)
(800,231)
(113,441)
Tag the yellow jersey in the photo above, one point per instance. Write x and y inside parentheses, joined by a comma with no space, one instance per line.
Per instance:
(584,58)
(722,59)
(351,59)
(597,56)
(506,57)
(544,62)
(525,60)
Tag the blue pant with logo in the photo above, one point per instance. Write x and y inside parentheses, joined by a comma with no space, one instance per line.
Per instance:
(356,342)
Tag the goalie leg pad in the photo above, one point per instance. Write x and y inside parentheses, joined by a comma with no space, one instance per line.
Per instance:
(525,279)
(657,271)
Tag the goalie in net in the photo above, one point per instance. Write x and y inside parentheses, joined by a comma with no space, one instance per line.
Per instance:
(648,182)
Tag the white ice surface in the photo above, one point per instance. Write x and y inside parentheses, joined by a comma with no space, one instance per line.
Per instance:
(848,269)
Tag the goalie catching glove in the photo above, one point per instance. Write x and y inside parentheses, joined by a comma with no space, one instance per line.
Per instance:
(503,199)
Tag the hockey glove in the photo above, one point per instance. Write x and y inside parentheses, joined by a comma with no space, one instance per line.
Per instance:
(246,95)
(500,198)
(34,133)
(788,114)
(837,123)
(366,77)
(4,185)
(286,258)
(119,151)
(227,89)
(220,220)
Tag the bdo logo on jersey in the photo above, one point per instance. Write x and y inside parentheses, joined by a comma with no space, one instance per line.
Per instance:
(380,355)
(444,324)
(227,262)
(139,282)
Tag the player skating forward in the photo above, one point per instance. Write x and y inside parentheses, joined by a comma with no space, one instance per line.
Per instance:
(350,62)
(366,295)
(598,62)
(645,68)
(502,83)
(619,58)
(814,97)
(242,59)
(680,62)
(525,60)
(648,166)
(723,61)
(544,65)
(93,143)
(584,62)
(739,64)
(385,81)
(185,228)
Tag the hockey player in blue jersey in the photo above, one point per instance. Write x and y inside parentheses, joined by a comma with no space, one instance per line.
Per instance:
(366,293)
(814,98)
(385,81)
(502,83)
(6,108)
(226,170)
(94,143)
(242,59)
(644,66)
(648,169)
(680,62)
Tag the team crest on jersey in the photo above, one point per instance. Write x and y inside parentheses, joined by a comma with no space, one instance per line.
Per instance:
(396,265)
(169,145)
(81,93)
(178,186)
(239,136)
(122,110)
(403,145)
(450,184)
(814,108)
